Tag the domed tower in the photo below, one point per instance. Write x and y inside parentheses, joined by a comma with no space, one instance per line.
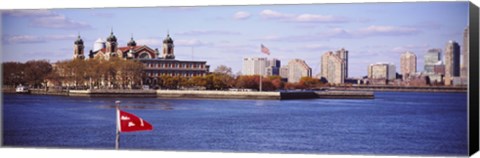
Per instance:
(131,43)
(111,44)
(168,48)
(78,49)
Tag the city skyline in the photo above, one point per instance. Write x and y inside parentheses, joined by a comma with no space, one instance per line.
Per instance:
(377,32)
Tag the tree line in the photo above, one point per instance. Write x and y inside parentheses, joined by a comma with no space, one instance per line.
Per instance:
(129,74)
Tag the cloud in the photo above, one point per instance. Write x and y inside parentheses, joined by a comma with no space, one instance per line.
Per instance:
(47,19)
(208,32)
(103,15)
(315,47)
(24,39)
(413,48)
(241,15)
(191,43)
(386,30)
(270,14)
(179,43)
(302,18)
(150,41)
(335,33)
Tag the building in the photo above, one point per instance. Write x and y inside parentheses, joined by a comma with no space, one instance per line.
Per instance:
(333,66)
(273,67)
(381,73)
(254,66)
(432,57)
(465,52)
(297,69)
(452,61)
(155,65)
(284,72)
(438,73)
(261,66)
(408,64)
(78,49)
(343,54)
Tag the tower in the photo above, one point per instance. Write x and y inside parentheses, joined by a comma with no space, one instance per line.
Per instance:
(452,62)
(465,52)
(111,45)
(131,43)
(408,64)
(343,54)
(78,49)
(168,48)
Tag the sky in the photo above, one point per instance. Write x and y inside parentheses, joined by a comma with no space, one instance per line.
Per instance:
(224,35)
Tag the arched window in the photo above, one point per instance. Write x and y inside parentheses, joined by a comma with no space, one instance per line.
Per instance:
(144,55)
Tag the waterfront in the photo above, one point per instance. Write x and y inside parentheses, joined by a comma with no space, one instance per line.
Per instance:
(394,123)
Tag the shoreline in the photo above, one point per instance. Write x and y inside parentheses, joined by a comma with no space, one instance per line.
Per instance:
(339,92)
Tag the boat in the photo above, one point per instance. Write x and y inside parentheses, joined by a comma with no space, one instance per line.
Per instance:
(22,89)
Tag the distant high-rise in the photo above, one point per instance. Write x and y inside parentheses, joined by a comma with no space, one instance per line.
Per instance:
(465,52)
(408,64)
(333,67)
(297,69)
(382,71)
(284,71)
(273,67)
(432,57)
(343,54)
(452,61)
(254,66)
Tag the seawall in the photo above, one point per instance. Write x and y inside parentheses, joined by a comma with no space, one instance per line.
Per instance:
(211,94)
(217,94)
(402,88)
(113,93)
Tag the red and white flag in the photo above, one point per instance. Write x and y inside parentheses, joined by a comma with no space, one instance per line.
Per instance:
(128,122)
(265,49)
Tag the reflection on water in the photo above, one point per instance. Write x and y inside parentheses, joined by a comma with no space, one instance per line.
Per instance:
(390,124)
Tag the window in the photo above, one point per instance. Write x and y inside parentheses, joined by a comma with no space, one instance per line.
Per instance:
(144,55)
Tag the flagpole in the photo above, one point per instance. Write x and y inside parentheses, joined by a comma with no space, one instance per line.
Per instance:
(117,138)
(260,89)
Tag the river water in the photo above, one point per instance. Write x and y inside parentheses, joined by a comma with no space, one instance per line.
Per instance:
(394,123)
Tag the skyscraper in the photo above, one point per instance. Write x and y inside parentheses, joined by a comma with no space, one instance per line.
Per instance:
(343,54)
(333,68)
(273,67)
(254,66)
(297,69)
(432,57)
(408,64)
(452,61)
(465,52)
(384,71)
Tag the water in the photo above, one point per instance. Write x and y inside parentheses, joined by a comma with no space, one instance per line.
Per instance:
(402,123)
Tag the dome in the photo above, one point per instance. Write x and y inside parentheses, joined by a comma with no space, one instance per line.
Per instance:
(99,40)
(79,40)
(111,38)
(99,44)
(132,42)
(168,39)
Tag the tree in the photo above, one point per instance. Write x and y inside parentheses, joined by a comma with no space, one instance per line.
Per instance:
(309,82)
(13,73)
(222,69)
(36,71)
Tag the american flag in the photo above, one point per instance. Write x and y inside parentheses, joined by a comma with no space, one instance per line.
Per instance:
(265,49)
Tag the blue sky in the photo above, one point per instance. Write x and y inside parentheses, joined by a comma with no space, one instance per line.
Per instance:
(223,35)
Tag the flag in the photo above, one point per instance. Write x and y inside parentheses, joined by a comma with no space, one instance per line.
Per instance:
(265,49)
(128,122)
